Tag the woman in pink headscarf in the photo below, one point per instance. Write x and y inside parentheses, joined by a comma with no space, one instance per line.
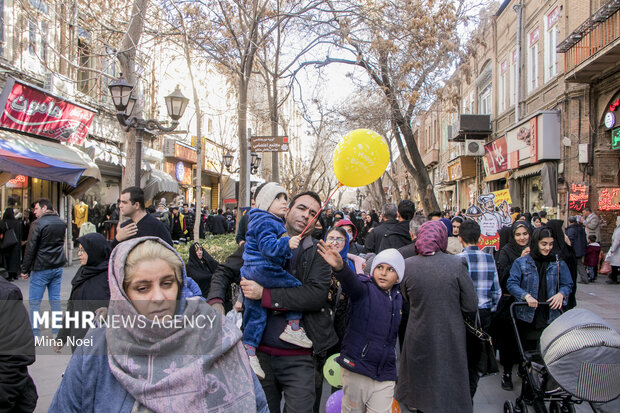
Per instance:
(433,374)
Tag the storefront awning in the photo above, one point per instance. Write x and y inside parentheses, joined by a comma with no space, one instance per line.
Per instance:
(528,171)
(494,177)
(38,158)
(158,183)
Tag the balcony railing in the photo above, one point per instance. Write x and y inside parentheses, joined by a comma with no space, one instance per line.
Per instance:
(596,33)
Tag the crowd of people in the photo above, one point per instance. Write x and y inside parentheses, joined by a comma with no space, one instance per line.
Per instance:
(367,287)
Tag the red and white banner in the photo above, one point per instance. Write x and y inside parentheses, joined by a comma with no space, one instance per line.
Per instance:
(35,111)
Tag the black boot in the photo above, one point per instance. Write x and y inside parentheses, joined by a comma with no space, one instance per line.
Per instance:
(507,381)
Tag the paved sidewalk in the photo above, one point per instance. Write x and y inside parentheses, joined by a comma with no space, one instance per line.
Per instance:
(601,298)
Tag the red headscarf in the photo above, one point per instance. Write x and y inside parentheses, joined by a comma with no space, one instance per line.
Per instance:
(345,222)
(432,237)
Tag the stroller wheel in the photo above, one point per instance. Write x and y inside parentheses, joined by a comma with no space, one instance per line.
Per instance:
(508,407)
(561,407)
(520,406)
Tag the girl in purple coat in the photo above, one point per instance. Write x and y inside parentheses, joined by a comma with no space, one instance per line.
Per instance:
(368,354)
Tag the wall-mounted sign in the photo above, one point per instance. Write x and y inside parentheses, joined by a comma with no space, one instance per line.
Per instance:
(534,140)
(496,154)
(578,196)
(269,143)
(36,111)
(615,138)
(179,171)
(610,120)
(174,149)
(609,199)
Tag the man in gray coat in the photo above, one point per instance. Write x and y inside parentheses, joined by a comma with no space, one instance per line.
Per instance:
(592,223)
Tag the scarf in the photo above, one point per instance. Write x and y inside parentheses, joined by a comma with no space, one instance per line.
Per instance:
(432,237)
(345,250)
(448,225)
(512,249)
(177,369)
(200,266)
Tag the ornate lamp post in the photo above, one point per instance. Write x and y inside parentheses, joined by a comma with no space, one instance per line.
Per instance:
(125,104)
(255,161)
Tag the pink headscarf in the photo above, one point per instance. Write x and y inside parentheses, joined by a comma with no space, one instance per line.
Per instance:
(432,237)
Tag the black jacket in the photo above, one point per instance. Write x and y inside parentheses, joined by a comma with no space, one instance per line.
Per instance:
(397,236)
(375,237)
(45,247)
(311,298)
(578,240)
(17,390)
(219,224)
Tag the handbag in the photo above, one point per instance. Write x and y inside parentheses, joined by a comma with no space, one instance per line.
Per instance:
(480,351)
(9,239)
(605,268)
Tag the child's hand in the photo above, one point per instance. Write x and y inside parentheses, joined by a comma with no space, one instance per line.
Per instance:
(332,257)
(293,242)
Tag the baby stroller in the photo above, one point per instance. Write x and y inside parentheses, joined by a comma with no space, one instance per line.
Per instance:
(579,360)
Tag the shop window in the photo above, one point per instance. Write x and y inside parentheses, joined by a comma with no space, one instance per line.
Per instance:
(484,99)
(32,37)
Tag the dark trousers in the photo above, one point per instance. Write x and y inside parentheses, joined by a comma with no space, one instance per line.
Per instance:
(614,273)
(485,322)
(292,376)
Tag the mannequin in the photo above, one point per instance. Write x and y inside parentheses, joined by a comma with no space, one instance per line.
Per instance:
(80,214)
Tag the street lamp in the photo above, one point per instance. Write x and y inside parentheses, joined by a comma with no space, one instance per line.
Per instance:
(125,104)
(254,163)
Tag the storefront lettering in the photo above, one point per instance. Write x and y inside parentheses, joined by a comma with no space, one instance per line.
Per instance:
(608,199)
(614,105)
(21,104)
(534,140)
(578,197)
(20,181)
(491,241)
(615,138)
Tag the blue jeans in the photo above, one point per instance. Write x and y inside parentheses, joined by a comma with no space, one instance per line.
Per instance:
(39,280)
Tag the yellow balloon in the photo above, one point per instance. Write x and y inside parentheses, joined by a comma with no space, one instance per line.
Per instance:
(360,158)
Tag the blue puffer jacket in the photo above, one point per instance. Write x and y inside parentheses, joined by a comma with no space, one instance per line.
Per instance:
(265,247)
(369,343)
(523,280)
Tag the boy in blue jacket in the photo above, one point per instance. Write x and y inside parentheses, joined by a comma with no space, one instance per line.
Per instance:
(265,253)
(368,354)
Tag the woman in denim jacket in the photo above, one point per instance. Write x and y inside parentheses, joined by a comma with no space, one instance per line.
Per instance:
(538,277)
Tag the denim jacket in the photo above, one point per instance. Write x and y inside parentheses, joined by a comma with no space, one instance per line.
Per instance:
(523,280)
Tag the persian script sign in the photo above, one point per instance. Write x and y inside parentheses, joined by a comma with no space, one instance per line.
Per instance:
(578,196)
(269,143)
(609,199)
(32,110)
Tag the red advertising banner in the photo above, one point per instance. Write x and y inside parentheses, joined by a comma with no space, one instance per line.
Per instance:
(496,153)
(36,111)
(534,140)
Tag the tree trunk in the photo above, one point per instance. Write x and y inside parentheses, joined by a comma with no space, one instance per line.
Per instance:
(242,112)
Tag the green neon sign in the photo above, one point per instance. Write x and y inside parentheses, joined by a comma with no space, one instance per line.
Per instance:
(615,138)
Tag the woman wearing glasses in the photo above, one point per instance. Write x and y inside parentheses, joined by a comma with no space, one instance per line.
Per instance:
(89,287)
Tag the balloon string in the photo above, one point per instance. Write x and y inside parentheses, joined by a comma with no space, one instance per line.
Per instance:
(321,210)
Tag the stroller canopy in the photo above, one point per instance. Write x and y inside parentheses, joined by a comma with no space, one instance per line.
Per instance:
(582,353)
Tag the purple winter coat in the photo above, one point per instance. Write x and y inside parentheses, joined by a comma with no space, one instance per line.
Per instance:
(369,343)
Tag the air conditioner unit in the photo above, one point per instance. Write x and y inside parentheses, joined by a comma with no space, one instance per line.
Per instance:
(474,148)
(58,85)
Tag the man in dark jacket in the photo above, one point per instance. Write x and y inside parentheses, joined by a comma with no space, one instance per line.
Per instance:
(44,258)
(218,223)
(188,222)
(389,213)
(577,235)
(399,236)
(17,390)
(288,368)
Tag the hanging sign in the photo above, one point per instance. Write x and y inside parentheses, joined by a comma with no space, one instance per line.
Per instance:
(36,111)
(496,154)
(578,197)
(615,138)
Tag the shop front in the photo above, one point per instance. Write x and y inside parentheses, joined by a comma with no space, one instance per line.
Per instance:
(37,156)
(533,147)
(462,170)
(180,163)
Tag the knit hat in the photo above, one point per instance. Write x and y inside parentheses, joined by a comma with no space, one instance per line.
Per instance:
(392,257)
(267,193)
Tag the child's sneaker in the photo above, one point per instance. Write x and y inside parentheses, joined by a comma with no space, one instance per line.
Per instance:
(297,337)
(255,364)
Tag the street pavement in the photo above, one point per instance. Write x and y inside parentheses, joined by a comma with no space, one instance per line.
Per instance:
(601,298)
